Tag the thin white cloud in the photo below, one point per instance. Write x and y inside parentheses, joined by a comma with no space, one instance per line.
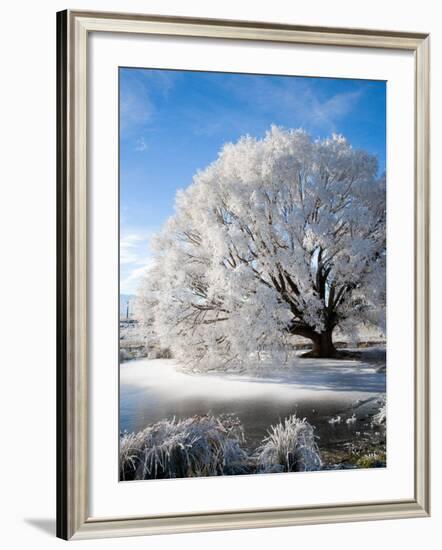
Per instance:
(163,81)
(136,110)
(133,247)
(131,283)
(137,104)
(310,109)
(135,260)
(330,111)
(141,145)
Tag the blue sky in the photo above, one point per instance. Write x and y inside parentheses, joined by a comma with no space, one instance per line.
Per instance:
(173,123)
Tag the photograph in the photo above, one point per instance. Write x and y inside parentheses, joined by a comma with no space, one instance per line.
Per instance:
(252,258)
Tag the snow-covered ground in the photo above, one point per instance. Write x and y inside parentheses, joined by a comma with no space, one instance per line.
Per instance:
(327,392)
(305,379)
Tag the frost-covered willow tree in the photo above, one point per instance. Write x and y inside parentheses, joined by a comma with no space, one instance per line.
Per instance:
(278,237)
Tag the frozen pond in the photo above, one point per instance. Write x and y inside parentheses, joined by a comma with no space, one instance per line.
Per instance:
(151,390)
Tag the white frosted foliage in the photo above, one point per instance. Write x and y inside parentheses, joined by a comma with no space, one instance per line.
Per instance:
(278,237)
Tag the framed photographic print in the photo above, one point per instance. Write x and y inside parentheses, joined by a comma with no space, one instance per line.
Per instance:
(242,274)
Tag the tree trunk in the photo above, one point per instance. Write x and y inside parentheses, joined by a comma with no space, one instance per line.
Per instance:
(322,341)
(323,345)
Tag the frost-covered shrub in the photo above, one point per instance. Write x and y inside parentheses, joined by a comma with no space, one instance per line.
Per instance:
(124,355)
(160,353)
(381,416)
(289,447)
(372,460)
(197,446)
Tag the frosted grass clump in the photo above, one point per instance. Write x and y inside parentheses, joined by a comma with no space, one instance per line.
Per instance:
(195,447)
(289,447)
(131,453)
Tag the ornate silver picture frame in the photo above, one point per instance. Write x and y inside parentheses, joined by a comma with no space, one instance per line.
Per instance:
(74,520)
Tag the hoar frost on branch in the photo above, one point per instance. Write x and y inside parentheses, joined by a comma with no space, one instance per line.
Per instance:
(278,237)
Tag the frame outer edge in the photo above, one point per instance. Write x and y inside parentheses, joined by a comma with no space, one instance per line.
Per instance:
(78,211)
(197,26)
(422,273)
(72,376)
(249,520)
(62,504)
